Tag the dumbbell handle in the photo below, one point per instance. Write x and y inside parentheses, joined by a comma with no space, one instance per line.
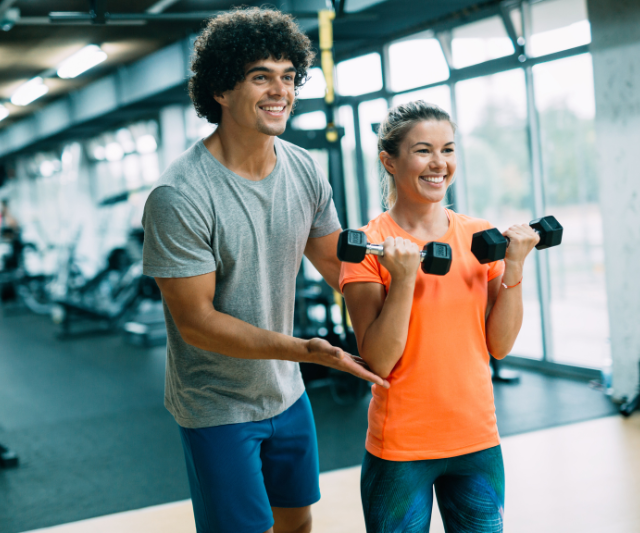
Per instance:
(378,249)
(509,239)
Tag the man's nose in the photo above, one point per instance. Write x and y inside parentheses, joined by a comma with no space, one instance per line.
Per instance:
(278,87)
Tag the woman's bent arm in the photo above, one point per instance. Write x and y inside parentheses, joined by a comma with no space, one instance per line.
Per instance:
(381,324)
(504,305)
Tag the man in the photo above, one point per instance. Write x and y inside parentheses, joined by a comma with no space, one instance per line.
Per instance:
(225,231)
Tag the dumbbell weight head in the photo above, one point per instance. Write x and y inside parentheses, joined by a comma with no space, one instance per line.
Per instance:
(489,246)
(436,258)
(550,231)
(352,246)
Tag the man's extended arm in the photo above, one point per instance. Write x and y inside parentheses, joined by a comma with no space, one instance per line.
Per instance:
(201,325)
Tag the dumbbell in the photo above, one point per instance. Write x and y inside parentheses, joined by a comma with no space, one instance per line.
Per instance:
(490,245)
(353,246)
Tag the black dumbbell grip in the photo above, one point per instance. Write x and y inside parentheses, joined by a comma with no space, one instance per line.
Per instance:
(509,240)
(377,249)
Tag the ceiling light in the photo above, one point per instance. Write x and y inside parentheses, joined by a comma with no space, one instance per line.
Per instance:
(4,112)
(30,91)
(81,61)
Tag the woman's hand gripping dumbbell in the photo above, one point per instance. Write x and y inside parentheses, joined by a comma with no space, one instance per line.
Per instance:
(491,245)
(353,246)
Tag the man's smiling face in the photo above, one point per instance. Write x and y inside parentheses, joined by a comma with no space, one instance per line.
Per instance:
(264,99)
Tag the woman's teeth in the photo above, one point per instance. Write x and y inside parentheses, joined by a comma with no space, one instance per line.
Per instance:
(435,179)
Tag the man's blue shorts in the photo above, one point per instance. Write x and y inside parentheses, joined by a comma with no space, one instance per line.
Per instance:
(237,472)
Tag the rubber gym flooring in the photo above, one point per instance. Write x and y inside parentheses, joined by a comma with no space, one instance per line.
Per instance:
(86,417)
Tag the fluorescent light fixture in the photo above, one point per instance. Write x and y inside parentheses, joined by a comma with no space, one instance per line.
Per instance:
(4,112)
(30,91)
(81,61)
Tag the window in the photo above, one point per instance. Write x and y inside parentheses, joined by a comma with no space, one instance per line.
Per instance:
(566,108)
(492,119)
(558,25)
(349,162)
(359,75)
(480,41)
(441,96)
(316,120)
(372,113)
(416,62)
(315,86)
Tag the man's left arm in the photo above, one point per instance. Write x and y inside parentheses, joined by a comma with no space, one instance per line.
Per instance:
(323,254)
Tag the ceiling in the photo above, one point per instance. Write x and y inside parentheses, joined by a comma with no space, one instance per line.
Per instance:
(35,45)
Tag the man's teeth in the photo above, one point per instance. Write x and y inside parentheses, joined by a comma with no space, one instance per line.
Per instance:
(271,108)
(435,179)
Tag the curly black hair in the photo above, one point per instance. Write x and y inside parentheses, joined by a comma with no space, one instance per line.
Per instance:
(233,40)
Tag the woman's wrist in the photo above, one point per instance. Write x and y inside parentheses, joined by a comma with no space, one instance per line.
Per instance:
(403,283)
(512,272)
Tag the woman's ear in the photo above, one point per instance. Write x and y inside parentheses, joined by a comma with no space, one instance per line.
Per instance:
(388,162)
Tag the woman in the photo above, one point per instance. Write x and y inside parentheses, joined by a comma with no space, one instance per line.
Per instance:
(431,336)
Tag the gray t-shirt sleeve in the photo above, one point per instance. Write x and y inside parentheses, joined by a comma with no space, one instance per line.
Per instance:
(326,219)
(177,237)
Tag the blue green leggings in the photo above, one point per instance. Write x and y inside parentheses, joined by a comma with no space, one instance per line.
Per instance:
(397,496)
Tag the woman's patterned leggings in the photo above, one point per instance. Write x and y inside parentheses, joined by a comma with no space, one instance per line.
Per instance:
(397,495)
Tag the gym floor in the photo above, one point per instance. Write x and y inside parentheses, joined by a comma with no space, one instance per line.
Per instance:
(86,417)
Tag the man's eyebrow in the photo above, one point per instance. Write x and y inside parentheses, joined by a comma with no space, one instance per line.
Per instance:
(266,69)
(431,145)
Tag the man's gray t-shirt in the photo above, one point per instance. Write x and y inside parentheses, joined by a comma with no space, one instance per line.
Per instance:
(200,218)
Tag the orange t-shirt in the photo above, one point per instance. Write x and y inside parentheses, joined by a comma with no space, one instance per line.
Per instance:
(440,403)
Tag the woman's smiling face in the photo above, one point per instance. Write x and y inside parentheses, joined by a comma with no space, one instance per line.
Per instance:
(426,162)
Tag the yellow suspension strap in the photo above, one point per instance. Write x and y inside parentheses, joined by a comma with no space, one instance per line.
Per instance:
(325,21)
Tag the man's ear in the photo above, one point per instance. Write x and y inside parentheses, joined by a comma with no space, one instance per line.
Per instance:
(221,99)
(388,162)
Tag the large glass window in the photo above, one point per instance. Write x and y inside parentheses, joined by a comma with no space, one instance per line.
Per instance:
(314,87)
(360,75)
(349,166)
(416,62)
(566,109)
(480,41)
(493,126)
(441,96)
(316,120)
(371,114)
(558,25)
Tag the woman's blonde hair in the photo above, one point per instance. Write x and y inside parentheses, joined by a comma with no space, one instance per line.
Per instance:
(392,131)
